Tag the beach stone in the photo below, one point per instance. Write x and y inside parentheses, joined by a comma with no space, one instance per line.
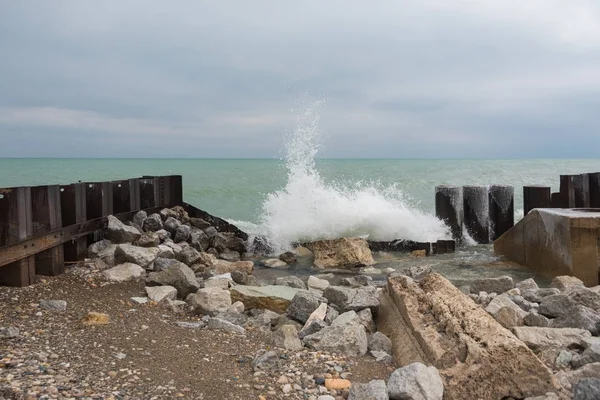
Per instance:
(589,355)
(568,379)
(264,318)
(538,338)
(416,382)
(139,218)
(199,240)
(222,325)
(189,256)
(124,272)
(230,255)
(211,231)
(379,342)
(236,244)
(374,390)
(165,213)
(382,357)
(341,253)
(266,360)
(117,232)
(311,327)
(288,257)
(171,224)
(153,223)
(162,263)
(302,251)
(565,282)
(95,249)
(587,389)
(53,305)
(210,301)
(501,302)
(584,296)
(316,283)
(237,307)
(366,320)
(291,281)
(354,299)
(139,300)
(9,332)
(160,293)
(142,256)
(303,304)
(180,276)
(223,267)
(527,284)
(274,298)
(347,337)
(536,296)
(332,314)
(492,285)
(287,337)
(535,319)
(509,317)
(274,263)
(242,278)
(148,239)
(579,317)
(163,234)
(199,223)
(233,317)
(182,233)
(165,252)
(347,318)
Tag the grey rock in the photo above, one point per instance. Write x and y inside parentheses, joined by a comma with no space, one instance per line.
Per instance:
(311,327)
(288,257)
(348,339)
(189,256)
(539,339)
(233,317)
(236,244)
(522,303)
(142,256)
(589,355)
(374,390)
(291,281)
(303,304)
(53,305)
(266,361)
(317,283)
(379,342)
(9,332)
(273,263)
(354,299)
(139,218)
(366,320)
(153,223)
(286,337)
(416,272)
(182,233)
(210,301)
(165,251)
(211,231)
(230,255)
(219,242)
(332,314)
(223,325)
(579,317)
(563,359)
(139,300)
(416,382)
(555,305)
(382,357)
(95,249)
(585,297)
(163,234)
(161,264)
(587,389)
(535,319)
(565,282)
(171,224)
(124,272)
(190,325)
(547,396)
(199,240)
(263,318)
(148,239)
(492,285)
(199,223)
(180,276)
(242,278)
(165,213)
(160,293)
(118,232)
(527,284)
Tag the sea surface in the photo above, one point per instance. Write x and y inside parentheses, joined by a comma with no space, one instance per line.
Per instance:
(301,197)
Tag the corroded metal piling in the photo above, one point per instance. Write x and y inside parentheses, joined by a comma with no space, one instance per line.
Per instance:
(476,213)
(449,208)
(501,210)
(535,197)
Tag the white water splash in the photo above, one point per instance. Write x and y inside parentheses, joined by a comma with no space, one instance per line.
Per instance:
(308,209)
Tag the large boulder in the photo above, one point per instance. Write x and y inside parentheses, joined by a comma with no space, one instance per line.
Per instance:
(492,285)
(539,339)
(416,382)
(379,342)
(189,256)
(587,389)
(142,256)
(210,301)
(124,272)
(199,240)
(341,253)
(171,224)
(182,233)
(104,250)
(286,337)
(579,317)
(568,379)
(506,312)
(153,223)
(565,282)
(274,298)
(354,299)
(118,232)
(180,276)
(349,339)
(476,356)
(303,304)
(139,218)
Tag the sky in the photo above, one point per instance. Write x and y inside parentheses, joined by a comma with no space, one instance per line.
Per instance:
(398,79)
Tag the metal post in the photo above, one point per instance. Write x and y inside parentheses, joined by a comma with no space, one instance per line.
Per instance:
(476,213)
(535,197)
(594,189)
(582,190)
(449,208)
(502,209)
(567,191)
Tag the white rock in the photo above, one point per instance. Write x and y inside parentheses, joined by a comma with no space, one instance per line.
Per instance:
(316,283)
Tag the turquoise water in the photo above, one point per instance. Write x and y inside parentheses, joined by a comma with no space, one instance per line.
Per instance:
(236,188)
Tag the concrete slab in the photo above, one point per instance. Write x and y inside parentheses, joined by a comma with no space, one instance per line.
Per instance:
(556,242)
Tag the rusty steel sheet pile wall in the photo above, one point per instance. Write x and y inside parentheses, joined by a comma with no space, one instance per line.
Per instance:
(41,227)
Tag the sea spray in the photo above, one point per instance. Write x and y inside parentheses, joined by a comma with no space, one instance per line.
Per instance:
(308,208)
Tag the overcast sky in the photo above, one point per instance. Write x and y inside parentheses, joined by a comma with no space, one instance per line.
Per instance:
(418,78)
